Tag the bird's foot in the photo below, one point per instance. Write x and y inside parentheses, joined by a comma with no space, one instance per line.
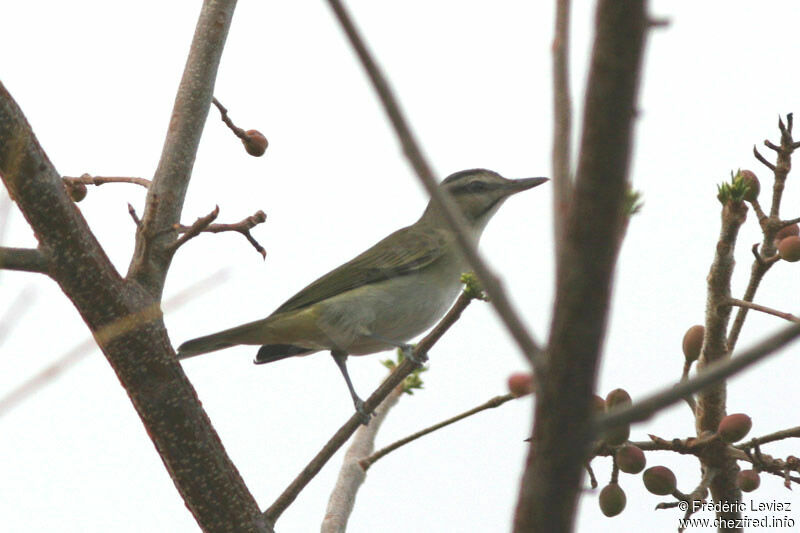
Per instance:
(409,353)
(362,412)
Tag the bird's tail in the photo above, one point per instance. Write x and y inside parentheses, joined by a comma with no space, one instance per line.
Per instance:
(249,333)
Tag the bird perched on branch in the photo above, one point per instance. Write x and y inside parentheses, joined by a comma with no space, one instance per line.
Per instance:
(385,296)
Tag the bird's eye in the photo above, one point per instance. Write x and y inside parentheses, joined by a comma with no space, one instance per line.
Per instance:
(477,186)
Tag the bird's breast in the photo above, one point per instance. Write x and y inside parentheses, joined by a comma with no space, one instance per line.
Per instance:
(397,309)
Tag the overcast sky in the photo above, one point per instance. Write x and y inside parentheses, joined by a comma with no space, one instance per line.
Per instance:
(97,80)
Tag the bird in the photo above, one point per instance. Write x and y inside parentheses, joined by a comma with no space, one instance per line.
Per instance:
(385,296)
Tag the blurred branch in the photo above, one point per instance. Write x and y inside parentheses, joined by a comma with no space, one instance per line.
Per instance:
(644,409)
(67,360)
(562,123)
(454,218)
(16,311)
(23,259)
(497,401)
(352,474)
(340,437)
(552,478)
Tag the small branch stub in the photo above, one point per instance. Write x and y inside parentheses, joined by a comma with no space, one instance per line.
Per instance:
(204,225)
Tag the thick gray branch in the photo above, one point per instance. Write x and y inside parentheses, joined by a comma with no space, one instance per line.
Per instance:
(125,320)
(155,235)
(552,478)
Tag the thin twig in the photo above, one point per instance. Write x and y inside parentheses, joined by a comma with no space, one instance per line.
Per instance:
(590,472)
(201,224)
(243,226)
(452,215)
(87,179)
(770,227)
(223,111)
(23,259)
(497,401)
(783,163)
(134,216)
(644,409)
(766,463)
(762,159)
(771,437)
(348,428)
(768,310)
(687,366)
(790,222)
(562,123)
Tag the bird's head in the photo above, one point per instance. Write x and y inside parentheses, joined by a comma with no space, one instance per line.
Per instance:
(479,193)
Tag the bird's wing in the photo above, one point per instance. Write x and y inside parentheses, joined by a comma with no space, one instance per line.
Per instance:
(403,252)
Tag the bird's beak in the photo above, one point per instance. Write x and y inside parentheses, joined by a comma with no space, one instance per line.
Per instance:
(524,184)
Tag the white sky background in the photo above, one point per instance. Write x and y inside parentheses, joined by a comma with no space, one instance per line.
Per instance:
(97,82)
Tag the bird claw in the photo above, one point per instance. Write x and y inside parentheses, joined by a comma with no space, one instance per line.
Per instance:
(408,353)
(362,412)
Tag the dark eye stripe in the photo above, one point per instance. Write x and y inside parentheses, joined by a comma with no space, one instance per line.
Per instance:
(472,186)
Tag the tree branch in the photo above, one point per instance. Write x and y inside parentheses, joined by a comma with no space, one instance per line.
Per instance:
(189,232)
(770,226)
(768,310)
(552,479)
(340,437)
(644,409)
(87,179)
(243,226)
(126,319)
(454,218)
(167,191)
(353,473)
(562,124)
(497,401)
(23,259)
(791,433)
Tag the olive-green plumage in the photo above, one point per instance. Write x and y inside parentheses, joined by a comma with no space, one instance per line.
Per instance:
(385,296)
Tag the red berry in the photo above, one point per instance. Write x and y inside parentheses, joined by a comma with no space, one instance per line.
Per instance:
(617,397)
(734,427)
(659,480)
(753,186)
(255,143)
(612,500)
(787,231)
(693,342)
(630,459)
(520,384)
(789,248)
(748,480)
(77,191)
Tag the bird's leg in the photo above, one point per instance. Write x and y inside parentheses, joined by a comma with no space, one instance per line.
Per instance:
(340,358)
(405,348)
